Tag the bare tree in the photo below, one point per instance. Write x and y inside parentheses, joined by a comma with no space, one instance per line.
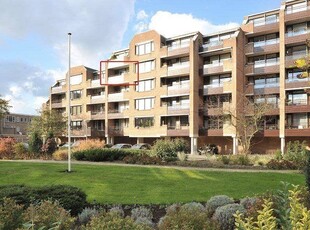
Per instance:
(245,119)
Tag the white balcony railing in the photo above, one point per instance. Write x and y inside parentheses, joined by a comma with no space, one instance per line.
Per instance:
(116,96)
(173,47)
(267,62)
(266,43)
(117,79)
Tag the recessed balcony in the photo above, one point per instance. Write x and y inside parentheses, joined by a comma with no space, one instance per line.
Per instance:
(297,14)
(178,130)
(296,37)
(271,46)
(177,89)
(97,115)
(218,67)
(178,50)
(97,99)
(263,67)
(59,89)
(179,69)
(116,97)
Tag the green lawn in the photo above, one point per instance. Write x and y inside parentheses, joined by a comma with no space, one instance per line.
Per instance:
(127,185)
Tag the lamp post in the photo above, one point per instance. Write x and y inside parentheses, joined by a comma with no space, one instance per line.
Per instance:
(69,103)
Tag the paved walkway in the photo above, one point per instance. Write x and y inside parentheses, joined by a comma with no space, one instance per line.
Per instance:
(74,162)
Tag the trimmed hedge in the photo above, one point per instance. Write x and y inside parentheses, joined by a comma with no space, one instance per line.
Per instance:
(105,154)
(70,198)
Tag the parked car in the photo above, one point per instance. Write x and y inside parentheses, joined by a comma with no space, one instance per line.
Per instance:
(141,146)
(121,146)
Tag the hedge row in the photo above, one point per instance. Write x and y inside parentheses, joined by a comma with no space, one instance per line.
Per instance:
(70,198)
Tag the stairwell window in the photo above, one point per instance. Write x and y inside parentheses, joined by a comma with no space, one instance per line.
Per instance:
(144,48)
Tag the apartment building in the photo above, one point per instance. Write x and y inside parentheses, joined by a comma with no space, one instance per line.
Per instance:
(184,80)
(15,125)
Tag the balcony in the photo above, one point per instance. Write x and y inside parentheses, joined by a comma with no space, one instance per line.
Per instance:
(220,88)
(116,97)
(297,130)
(271,46)
(178,109)
(116,130)
(59,89)
(95,84)
(269,130)
(290,60)
(97,99)
(297,106)
(296,37)
(267,26)
(296,83)
(115,113)
(178,50)
(270,88)
(57,104)
(116,79)
(212,46)
(219,67)
(177,89)
(97,133)
(97,115)
(178,131)
(298,14)
(213,130)
(81,132)
(179,69)
(263,67)
(119,62)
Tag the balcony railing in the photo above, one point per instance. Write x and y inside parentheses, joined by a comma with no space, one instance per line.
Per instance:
(116,79)
(97,99)
(265,22)
(179,69)
(58,89)
(212,45)
(174,47)
(116,96)
(297,102)
(296,55)
(178,127)
(297,9)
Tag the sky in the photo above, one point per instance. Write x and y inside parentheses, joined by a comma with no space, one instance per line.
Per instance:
(34,40)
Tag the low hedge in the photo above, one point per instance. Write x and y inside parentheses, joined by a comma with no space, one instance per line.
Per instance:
(70,198)
(105,154)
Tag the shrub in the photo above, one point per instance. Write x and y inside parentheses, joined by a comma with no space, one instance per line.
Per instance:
(141,212)
(60,155)
(225,159)
(180,145)
(71,198)
(241,159)
(165,150)
(217,201)
(141,159)
(89,144)
(283,164)
(47,214)
(35,143)
(7,148)
(248,202)
(103,154)
(186,217)
(307,172)
(225,215)
(278,155)
(10,214)
(85,216)
(112,221)
(49,147)
(119,210)
(182,156)
(297,153)
(20,150)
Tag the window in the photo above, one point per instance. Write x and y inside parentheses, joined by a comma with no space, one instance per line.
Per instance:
(296,8)
(76,80)
(297,120)
(144,122)
(145,103)
(76,124)
(76,110)
(217,80)
(145,85)
(10,119)
(144,48)
(76,94)
(295,75)
(296,29)
(297,98)
(99,125)
(146,66)
(266,81)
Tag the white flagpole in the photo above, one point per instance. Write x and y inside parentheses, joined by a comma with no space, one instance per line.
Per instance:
(69,104)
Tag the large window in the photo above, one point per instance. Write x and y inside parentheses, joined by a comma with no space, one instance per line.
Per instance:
(99,125)
(296,7)
(144,122)
(297,29)
(266,81)
(145,103)
(295,75)
(76,110)
(297,121)
(145,85)
(217,80)
(144,48)
(297,98)
(76,94)
(146,66)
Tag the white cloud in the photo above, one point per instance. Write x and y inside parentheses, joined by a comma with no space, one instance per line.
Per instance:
(172,24)
(141,15)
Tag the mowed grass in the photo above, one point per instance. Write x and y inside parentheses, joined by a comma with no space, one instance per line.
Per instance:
(145,185)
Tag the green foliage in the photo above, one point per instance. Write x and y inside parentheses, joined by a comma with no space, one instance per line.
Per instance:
(10,214)
(240,159)
(71,198)
(85,216)
(186,217)
(141,212)
(103,154)
(4,107)
(248,202)
(47,214)
(278,155)
(142,158)
(7,148)
(225,159)
(217,201)
(112,221)
(182,156)
(307,172)
(297,153)
(265,219)
(282,164)
(224,215)
(35,143)
(60,154)
(167,149)
(119,210)
(20,150)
